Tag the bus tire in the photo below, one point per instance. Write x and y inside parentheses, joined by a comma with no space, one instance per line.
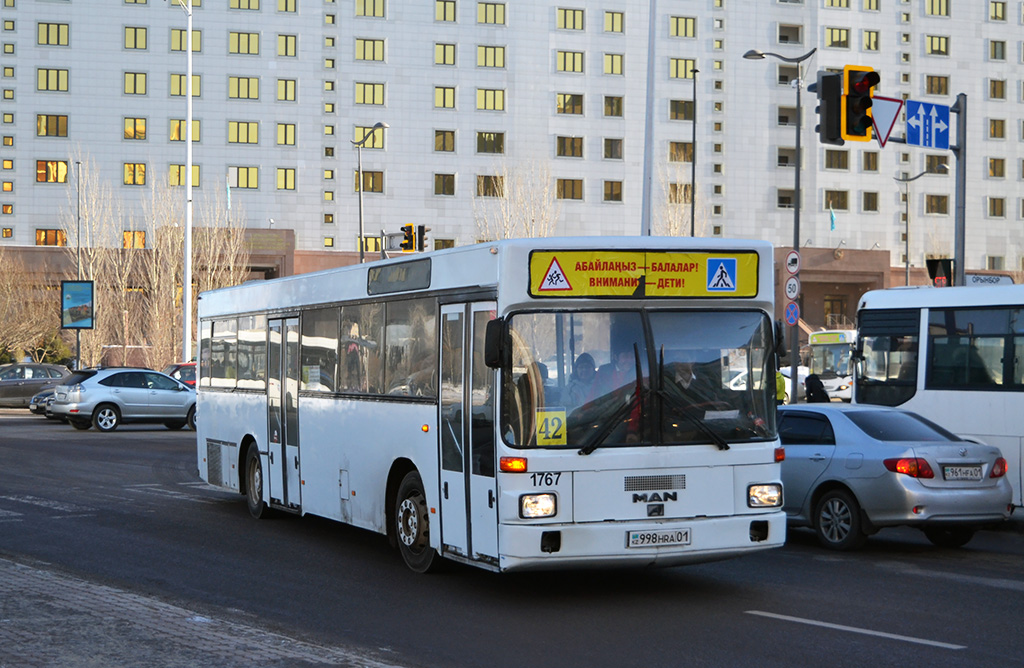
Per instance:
(837,521)
(412,525)
(106,417)
(254,483)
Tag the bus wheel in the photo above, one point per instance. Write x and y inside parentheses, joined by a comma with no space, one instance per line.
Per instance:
(412,525)
(254,483)
(837,521)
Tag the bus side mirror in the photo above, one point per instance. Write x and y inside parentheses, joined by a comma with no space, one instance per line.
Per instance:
(780,339)
(493,336)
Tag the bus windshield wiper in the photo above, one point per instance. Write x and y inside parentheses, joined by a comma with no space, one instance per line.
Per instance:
(684,405)
(608,425)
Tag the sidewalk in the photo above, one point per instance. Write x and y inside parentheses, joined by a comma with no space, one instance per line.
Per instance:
(51,619)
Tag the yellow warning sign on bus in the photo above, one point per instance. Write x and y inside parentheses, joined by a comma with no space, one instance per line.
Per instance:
(641,274)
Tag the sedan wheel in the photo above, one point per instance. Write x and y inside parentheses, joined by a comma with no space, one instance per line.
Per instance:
(837,521)
(954,537)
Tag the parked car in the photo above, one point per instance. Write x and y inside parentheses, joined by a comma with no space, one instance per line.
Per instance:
(39,403)
(851,470)
(104,398)
(183,371)
(20,381)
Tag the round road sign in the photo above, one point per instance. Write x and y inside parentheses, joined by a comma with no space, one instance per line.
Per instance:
(792,313)
(793,261)
(792,288)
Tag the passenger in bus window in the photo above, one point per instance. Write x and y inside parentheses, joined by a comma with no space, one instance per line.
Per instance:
(582,381)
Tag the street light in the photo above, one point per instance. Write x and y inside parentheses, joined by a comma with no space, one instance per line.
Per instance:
(906,216)
(693,157)
(794,344)
(359,168)
(186,297)
(78,253)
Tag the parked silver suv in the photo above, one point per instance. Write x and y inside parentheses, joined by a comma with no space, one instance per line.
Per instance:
(104,398)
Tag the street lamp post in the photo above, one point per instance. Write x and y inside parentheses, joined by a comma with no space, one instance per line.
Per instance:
(906,218)
(186,281)
(78,253)
(693,159)
(359,170)
(794,343)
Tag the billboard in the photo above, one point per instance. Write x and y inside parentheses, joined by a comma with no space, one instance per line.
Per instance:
(77,307)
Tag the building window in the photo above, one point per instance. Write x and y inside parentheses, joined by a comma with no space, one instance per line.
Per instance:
(370,8)
(490,100)
(244,177)
(936,85)
(996,10)
(179,40)
(134,83)
(614,21)
(569,147)
(369,93)
(178,130)
(8,232)
(444,141)
(51,238)
(178,85)
(51,171)
(682,26)
(135,173)
(244,43)
(287,45)
(133,239)
(568,103)
(282,5)
(176,175)
(997,89)
(490,142)
(369,49)
(47,125)
(444,184)
(613,63)
(613,106)
(444,54)
(996,50)
(871,40)
(373,181)
(679,193)
(837,200)
(680,151)
(490,186)
(612,148)
(286,90)
(569,189)
(613,191)
(837,38)
(286,134)
(569,19)
(996,207)
(937,7)
(996,168)
(444,97)
(680,110)
(936,45)
(936,204)
(369,137)
(241,4)
(444,10)
(569,61)
(52,34)
(243,132)
(681,68)
(328,242)
(837,159)
(838,4)
(51,80)
(869,161)
(869,202)
(490,12)
(244,88)
(490,56)
(286,178)
(996,128)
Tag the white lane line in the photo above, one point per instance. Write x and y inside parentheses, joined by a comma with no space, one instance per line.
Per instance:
(854,629)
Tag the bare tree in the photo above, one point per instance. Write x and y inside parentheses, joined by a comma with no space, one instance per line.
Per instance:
(524,204)
(13,330)
(672,217)
(161,276)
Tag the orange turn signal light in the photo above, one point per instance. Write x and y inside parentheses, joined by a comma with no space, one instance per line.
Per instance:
(513,464)
(780,454)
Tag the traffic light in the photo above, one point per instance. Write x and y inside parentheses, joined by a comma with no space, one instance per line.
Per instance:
(408,240)
(421,237)
(829,88)
(940,271)
(858,82)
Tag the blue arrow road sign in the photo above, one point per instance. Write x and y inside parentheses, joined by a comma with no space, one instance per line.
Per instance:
(927,125)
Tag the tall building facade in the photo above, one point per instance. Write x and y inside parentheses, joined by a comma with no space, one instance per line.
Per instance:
(587,106)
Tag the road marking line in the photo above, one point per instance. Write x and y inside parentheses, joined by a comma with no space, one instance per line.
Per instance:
(853,629)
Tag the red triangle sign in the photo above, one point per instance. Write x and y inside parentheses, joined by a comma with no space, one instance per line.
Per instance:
(554,279)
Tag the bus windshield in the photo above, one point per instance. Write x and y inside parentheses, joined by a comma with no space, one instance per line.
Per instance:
(638,377)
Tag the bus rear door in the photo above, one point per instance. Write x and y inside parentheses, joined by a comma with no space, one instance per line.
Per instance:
(283,412)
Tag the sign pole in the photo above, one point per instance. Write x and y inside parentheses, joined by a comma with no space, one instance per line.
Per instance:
(959,221)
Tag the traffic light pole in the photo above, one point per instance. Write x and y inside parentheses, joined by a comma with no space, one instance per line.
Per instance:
(959,220)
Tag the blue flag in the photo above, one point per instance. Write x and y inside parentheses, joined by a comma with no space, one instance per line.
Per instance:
(832,218)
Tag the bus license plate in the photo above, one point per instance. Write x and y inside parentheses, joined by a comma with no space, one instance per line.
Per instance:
(658,538)
(961,472)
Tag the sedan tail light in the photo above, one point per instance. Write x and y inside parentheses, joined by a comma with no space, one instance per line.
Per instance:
(915,467)
(998,469)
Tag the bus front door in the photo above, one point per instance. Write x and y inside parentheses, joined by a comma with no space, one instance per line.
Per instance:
(282,412)
(469,520)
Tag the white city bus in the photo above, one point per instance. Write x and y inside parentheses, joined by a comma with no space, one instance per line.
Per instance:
(447,400)
(953,355)
(832,360)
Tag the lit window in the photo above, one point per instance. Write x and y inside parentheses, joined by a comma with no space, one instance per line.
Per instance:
(568,103)
(614,21)
(135,38)
(244,88)
(490,100)
(490,56)
(286,134)
(681,68)
(490,12)
(682,26)
(569,19)
(243,132)
(444,97)
(134,83)
(286,178)
(569,61)
(444,54)
(369,49)
(569,189)
(51,80)
(135,173)
(369,93)
(246,43)
(613,63)
(51,171)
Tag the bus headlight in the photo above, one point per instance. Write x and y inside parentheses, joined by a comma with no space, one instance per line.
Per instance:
(537,505)
(764,496)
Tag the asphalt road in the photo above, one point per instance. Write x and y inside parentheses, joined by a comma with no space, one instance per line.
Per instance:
(126,513)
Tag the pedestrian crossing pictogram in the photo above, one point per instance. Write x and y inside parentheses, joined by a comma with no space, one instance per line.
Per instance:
(721,274)
(554,278)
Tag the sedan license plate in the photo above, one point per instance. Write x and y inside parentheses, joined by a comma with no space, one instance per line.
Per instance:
(658,538)
(961,472)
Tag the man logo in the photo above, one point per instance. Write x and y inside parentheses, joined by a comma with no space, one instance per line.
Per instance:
(656,497)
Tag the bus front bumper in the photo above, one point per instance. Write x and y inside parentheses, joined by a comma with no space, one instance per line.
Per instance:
(554,546)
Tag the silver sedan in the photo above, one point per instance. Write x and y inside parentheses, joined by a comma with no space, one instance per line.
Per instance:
(851,470)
